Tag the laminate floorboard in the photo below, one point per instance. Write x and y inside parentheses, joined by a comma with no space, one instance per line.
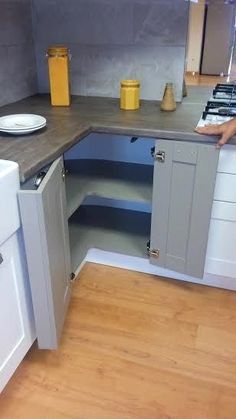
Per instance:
(134,346)
(196,79)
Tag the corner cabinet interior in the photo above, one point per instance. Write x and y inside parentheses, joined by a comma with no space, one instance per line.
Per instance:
(96,193)
(44,219)
(118,205)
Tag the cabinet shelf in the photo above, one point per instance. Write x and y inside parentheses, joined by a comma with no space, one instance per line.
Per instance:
(107,179)
(106,228)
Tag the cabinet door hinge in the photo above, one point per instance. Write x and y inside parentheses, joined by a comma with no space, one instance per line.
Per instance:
(159,155)
(155,253)
(64,173)
(72,277)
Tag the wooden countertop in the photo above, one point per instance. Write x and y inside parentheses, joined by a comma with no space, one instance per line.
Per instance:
(66,126)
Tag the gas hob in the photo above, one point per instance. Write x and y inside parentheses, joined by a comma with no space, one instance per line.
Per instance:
(221,107)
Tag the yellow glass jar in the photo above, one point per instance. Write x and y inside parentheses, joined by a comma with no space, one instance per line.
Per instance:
(130,95)
(58,66)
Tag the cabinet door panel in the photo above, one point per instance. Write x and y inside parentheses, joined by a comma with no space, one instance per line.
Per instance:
(182,200)
(45,227)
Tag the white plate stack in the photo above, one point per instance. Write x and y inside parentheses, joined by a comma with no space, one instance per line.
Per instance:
(20,124)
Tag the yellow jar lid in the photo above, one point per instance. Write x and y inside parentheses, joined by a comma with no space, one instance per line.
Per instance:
(130,83)
(57,50)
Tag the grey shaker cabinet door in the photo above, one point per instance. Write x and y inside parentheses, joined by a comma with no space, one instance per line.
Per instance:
(46,235)
(183,193)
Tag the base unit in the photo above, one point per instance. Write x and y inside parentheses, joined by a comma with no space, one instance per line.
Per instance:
(16,320)
(220,257)
(60,227)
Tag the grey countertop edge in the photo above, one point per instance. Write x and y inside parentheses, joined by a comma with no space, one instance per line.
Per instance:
(155,133)
(126,131)
(27,174)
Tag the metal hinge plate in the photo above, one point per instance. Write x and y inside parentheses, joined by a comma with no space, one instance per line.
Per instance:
(72,277)
(155,253)
(160,156)
(152,252)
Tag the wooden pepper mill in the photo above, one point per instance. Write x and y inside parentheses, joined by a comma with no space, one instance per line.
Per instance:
(168,102)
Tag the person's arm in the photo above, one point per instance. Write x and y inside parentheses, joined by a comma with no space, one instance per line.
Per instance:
(226,130)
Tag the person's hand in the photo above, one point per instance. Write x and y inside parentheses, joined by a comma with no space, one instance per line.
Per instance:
(226,131)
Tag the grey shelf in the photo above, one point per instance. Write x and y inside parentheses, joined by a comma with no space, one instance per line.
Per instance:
(112,229)
(107,179)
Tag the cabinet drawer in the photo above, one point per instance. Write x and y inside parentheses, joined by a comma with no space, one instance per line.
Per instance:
(227,159)
(220,259)
(225,211)
(225,187)
(222,239)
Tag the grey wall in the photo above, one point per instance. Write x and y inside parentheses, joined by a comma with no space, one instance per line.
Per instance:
(114,39)
(17,57)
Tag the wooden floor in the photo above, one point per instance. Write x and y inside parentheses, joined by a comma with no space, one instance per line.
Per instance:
(134,347)
(201,80)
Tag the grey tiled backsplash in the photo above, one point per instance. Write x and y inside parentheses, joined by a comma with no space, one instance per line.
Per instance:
(18,77)
(111,40)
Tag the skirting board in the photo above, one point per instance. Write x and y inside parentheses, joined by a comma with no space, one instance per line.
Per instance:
(142,265)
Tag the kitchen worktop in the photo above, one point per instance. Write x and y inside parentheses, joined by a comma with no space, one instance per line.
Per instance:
(66,126)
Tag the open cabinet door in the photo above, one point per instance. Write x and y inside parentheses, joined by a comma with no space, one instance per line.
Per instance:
(183,191)
(45,228)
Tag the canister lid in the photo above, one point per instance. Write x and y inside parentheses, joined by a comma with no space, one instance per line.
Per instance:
(57,50)
(130,83)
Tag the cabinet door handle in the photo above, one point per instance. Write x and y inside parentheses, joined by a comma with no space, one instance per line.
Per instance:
(1,259)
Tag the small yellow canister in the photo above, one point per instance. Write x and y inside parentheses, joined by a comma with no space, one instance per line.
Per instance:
(58,66)
(130,95)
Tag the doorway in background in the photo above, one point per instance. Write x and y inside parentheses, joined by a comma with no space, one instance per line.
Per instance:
(218,37)
(211,38)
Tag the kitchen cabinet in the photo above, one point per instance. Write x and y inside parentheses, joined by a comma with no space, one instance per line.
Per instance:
(16,319)
(60,223)
(183,191)
(44,219)
(220,260)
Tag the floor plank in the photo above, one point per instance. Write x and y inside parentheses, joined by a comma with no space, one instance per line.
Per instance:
(196,79)
(134,347)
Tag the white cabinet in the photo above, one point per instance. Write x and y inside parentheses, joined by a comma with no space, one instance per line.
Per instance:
(16,317)
(220,258)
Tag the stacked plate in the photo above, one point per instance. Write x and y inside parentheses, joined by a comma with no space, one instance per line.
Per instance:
(20,124)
